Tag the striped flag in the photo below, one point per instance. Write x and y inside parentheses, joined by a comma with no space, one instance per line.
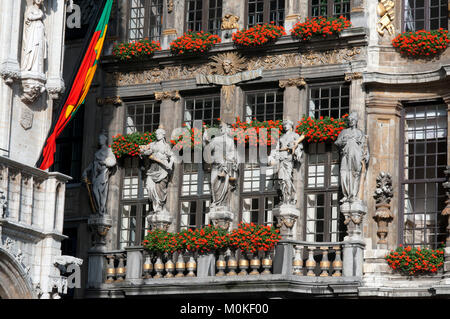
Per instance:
(80,85)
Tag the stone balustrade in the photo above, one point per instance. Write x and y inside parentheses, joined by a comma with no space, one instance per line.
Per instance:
(295,258)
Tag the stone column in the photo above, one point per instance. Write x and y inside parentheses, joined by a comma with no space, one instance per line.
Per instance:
(10,11)
(295,11)
(57,20)
(294,106)
(173,21)
(357,13)
(446,213)
(170,119)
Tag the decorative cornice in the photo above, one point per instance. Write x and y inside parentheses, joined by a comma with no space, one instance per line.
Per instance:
(407,78)
(300,82)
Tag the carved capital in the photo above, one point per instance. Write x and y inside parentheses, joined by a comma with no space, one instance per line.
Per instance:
(174,95)
(300,82)
(110,100)
(353,76)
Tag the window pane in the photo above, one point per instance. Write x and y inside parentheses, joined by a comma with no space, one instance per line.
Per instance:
(426,141)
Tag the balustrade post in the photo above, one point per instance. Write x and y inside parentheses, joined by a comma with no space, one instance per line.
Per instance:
(110,269)
(120,270)
(297,263)
(148,266)
(311,263)
(324,263)
(282,263)
(337,263)
(134,263)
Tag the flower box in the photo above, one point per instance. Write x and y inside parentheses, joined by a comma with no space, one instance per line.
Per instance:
(253,238)
(422,43)
(413,261)
(258,35)
(128,145)
(320,27)
(322,130)
(194,43)
(136,50)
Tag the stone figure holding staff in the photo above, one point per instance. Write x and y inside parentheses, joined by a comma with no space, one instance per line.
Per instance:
(96,175)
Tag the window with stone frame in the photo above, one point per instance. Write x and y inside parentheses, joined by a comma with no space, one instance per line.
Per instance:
(258,193)
(204,108)
(142,116)
(195,194)
(204,15)
(134,204)
(329,8)
(323,221)
(425,14)
(69,146)
(424,158)
(265,11)
(145,19)
(264,105)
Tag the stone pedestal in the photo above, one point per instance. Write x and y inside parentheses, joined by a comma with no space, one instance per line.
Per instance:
(134,264)
(221,216)
(206,265)
(353,249)
(160,220)
(353,213)
(286,215)
(284,254)
(99,226)
(447,262)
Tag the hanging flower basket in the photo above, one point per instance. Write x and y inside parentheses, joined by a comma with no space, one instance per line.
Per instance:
(422,43)
(136,50)
(322,130)
(258,35)
(128,145)
(320,27)
(194,43)
(412,261)
(252,238)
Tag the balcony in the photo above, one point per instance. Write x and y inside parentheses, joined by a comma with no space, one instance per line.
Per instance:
(294,268)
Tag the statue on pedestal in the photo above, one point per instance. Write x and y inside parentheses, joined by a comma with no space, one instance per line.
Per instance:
(354,150)
(224,170)
(96,175)
(158,175)
(288,150)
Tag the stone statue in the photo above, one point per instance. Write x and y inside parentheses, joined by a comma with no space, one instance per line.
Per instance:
(224,167)
(161,168)
(3,204)
(34,44)
(97,174)
(353,145)
(288,150)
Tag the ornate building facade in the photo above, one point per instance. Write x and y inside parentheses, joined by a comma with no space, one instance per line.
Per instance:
(400,104)
(32,264)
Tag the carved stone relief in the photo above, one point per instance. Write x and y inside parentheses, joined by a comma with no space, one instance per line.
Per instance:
(386,12)
(182,72)
(230,22)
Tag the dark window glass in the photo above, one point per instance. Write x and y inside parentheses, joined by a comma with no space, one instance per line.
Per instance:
(204,15)
(425,14)
(264,105)
(330,8)
(425,159)
(142,116)
(145,19)
(265,11)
